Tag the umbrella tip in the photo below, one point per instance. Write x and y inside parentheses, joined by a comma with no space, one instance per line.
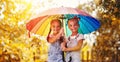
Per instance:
(29,34)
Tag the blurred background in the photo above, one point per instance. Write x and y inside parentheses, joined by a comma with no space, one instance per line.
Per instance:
(102,45)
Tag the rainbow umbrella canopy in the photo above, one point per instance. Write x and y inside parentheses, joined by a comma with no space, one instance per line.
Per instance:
(41,24)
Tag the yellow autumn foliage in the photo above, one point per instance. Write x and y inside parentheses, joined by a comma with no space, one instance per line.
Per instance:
(15,45)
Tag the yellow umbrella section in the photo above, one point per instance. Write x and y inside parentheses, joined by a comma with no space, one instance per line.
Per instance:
(44,28)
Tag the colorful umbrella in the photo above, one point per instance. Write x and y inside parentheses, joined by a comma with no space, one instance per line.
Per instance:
(41,25)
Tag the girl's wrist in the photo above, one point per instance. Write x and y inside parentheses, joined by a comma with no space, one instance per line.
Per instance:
(66,49)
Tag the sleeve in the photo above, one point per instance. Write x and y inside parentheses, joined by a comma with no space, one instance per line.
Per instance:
(80,37)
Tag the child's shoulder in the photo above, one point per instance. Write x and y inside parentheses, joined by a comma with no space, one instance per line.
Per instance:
(80,36)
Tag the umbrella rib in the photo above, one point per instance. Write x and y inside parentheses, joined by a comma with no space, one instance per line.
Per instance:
(83,17)
(91,25)
(44,29)
(41,24)
(36,27)
(48,23)
(81,31)
(85,26)
(45,26)
(94,23)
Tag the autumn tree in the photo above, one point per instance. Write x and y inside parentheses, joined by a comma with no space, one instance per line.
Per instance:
(15,45)
(109,32)
(108,13)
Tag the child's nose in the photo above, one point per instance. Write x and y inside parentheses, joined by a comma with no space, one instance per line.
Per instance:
(56,28)
(73,27)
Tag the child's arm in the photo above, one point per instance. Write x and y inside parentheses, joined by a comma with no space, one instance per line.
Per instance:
(53,39)
(63,44)
(76,48)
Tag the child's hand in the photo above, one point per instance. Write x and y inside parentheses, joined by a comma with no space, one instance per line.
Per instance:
(61,32)
(63,47)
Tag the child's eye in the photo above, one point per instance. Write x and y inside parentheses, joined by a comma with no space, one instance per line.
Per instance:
(53,26)
(76,25)
(70,25)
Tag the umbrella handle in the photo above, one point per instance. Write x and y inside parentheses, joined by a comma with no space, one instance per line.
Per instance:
(64,26)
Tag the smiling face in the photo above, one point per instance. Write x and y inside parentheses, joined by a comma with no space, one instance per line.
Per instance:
(73,25)
(55,26)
